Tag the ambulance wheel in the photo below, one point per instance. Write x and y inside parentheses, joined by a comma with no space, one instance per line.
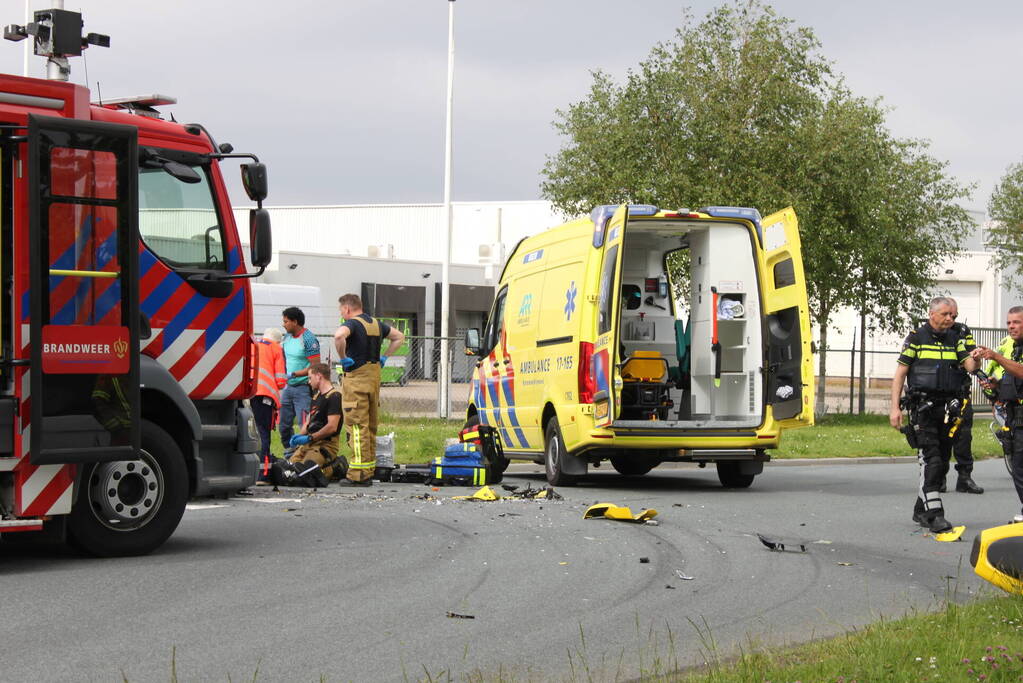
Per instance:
(631,466)
(554,457)
(731,476)
(130,507)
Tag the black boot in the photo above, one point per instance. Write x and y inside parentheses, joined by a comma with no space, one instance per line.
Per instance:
(967,485)
(944,486)
(938,524)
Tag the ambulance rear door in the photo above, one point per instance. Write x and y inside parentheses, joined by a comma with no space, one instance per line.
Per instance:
(789,360)
(605,362)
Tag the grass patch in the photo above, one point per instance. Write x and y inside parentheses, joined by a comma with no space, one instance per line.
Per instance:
(980,641)
(857,436)
(417,439)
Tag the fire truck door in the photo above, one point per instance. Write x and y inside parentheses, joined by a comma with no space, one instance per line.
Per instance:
(83,291)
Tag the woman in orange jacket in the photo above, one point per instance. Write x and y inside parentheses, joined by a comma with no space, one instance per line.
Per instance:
(271,379)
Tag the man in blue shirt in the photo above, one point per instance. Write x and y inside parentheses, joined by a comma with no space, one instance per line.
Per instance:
(301,349)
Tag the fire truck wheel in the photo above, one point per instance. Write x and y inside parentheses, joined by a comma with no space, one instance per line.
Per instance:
(130,507)
(632,465)
(731,477)
(554,454)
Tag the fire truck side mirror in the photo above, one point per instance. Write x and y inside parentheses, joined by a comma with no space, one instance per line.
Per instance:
(260,239)
(254,181)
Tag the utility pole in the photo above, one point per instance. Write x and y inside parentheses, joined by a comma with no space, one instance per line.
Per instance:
(444,401)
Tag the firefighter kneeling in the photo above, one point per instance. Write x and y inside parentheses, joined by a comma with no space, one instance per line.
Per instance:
(315,460)
(933,359)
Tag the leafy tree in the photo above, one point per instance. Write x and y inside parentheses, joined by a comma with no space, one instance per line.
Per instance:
(1006,232)
(742,109)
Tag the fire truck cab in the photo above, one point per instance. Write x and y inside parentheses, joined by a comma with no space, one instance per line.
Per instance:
(126,358)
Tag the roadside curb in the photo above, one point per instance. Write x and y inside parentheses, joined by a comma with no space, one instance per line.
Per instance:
(530,468)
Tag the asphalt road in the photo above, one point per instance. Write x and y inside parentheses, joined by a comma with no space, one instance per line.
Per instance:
(358,587)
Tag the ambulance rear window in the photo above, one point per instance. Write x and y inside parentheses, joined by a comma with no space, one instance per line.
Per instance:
(607,278)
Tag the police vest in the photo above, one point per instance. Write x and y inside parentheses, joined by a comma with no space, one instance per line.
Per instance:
(936,367)
(1010,388)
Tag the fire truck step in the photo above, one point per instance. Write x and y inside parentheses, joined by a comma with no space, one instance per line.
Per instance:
(8,464)
(8,525)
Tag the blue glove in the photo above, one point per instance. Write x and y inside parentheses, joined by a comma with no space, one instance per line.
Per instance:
(347,363)
(300,440)
(383,361)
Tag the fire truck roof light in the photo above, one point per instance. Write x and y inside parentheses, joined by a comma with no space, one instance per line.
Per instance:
(139,101)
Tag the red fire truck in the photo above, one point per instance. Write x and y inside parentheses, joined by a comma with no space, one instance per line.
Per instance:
(126,358)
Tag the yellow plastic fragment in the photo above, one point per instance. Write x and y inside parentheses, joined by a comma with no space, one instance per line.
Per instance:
(950,536)
(618,512)
(485,493)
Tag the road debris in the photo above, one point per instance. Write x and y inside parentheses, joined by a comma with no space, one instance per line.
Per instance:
(455,615)
(844,564)
(644,560)
(778,546)
(682,575)
(953,535)
(618,513)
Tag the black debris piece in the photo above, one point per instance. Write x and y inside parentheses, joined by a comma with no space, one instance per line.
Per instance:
(778,546)
(644,560)
(455,615)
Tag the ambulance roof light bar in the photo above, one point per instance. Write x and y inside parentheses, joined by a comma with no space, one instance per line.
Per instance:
(58,35)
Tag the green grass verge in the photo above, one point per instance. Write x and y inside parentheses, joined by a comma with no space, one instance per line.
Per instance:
(416,439)
(857,436)
(834,436)
(979,641)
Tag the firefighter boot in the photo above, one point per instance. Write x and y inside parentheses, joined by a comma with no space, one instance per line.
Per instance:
(967,485)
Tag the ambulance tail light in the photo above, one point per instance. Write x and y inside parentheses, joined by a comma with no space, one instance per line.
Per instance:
(587,382)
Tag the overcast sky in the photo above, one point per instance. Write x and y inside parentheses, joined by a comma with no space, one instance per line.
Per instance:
(344,99)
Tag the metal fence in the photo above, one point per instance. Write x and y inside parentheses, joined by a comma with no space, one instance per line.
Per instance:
(845,393)
(409,380)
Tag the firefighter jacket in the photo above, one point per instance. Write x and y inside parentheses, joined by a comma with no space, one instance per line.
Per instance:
(935,361)
(272,374)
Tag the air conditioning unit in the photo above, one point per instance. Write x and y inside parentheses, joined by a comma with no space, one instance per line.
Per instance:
(380,251)
(491,253)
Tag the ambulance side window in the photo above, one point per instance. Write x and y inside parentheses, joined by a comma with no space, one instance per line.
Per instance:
(492,335)
(607,279)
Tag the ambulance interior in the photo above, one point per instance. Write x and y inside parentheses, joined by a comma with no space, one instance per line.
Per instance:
(691,348)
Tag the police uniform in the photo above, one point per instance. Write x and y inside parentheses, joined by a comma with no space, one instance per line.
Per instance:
(935,381)
(360,393)
(1009,393)
(962,444)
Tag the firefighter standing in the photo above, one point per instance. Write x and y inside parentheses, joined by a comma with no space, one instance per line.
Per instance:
(358,343)
(932,359)
(962,443)
(1006,372)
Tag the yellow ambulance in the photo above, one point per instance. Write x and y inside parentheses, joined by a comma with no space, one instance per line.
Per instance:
(642,336)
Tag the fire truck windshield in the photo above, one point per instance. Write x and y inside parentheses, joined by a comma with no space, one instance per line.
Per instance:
(178,221)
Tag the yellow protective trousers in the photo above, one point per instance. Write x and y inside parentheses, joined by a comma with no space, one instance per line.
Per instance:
(321,452)
(360,397)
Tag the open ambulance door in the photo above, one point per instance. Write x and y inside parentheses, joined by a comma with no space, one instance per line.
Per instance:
(606,365)
(83,291)
(789,361)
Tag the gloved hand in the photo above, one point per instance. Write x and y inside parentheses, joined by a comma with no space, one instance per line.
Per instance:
(347,363)
(300,440)
(291,375)
(383,361)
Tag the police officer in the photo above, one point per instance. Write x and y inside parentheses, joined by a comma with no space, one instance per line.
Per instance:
(962,443)
(1006,372)
(358,343)
(932,359)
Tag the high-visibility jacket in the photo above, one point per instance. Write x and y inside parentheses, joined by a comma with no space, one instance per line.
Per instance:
(1009,387)
(272,374)
(934,361)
